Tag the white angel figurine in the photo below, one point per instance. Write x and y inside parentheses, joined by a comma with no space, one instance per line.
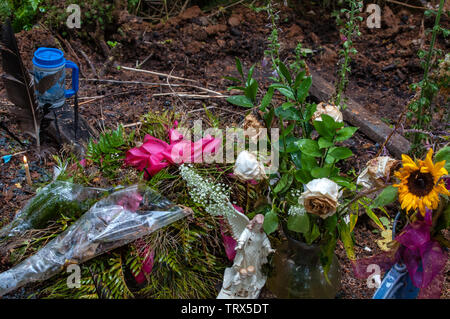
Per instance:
(245,279)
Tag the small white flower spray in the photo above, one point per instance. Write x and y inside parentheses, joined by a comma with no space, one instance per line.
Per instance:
(214,197)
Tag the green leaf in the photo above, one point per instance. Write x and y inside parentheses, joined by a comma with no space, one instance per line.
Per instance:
(303,176)
(309,147)
(270,222)
(342,181)
(239,67)
(303,89)
(35,4)
(319,172)
(296,158)
(284,183)
(288,130)
(250,74)
(330,122)
(268,117)
(324,143)
(308,162)
(374,217)
(299,223)
(240,100)
(232,79)
(341,153)
(444,155)
(313,234)
(330,224)
(324,130)
(347,240)
(285,72)
(251,90)
(353,220)
(266,99)
(327,254)
(290,113)
(345,133)
(291,146)
(287,92)
(298,79)
(387,196)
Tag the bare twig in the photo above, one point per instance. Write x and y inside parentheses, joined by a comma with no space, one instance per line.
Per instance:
(89,62)
(155,84)
(138,66)
(156,73)
(408,5)
(392,133)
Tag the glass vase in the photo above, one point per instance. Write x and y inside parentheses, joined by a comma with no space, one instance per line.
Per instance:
(298,273)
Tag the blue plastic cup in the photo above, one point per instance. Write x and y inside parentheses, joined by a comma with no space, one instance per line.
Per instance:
(50,75)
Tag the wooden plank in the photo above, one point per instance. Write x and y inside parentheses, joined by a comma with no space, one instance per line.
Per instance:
(358,116)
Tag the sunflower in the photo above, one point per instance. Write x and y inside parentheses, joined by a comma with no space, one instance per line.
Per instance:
(420,183)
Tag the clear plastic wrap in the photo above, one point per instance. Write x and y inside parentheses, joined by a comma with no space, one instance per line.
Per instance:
(117,220)
(59,197)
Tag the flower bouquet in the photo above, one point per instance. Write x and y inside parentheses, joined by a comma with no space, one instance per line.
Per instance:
(419,247)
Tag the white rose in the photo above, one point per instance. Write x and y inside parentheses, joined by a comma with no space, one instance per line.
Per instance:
(247,167)
(320,197)
(328,109)
(377,171)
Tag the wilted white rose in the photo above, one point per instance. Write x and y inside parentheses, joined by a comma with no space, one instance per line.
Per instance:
(247,167)
(328,109)
(320,197)
(377,171)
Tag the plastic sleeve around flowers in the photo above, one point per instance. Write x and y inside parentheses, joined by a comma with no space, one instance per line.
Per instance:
(117,220)
(46,206)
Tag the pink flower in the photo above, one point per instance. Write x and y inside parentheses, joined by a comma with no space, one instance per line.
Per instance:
(131,201)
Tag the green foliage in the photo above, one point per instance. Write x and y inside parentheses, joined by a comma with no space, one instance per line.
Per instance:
(109,272)
(249,88)
(186,263)
(349,28)
(157,123)
(444,155)
(387,196)
(427,88)
(308,149)
(107,152)
(25,12)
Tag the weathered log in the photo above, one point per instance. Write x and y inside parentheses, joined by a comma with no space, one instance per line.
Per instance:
(358,116)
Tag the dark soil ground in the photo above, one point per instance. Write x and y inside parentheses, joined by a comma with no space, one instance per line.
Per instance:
(202,47)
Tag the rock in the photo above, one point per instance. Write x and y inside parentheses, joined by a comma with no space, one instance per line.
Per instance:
(216,28)
(203,21)
(234,20)
(191,12)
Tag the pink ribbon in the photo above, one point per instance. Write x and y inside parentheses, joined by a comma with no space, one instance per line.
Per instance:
(424,258)
(154,154)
